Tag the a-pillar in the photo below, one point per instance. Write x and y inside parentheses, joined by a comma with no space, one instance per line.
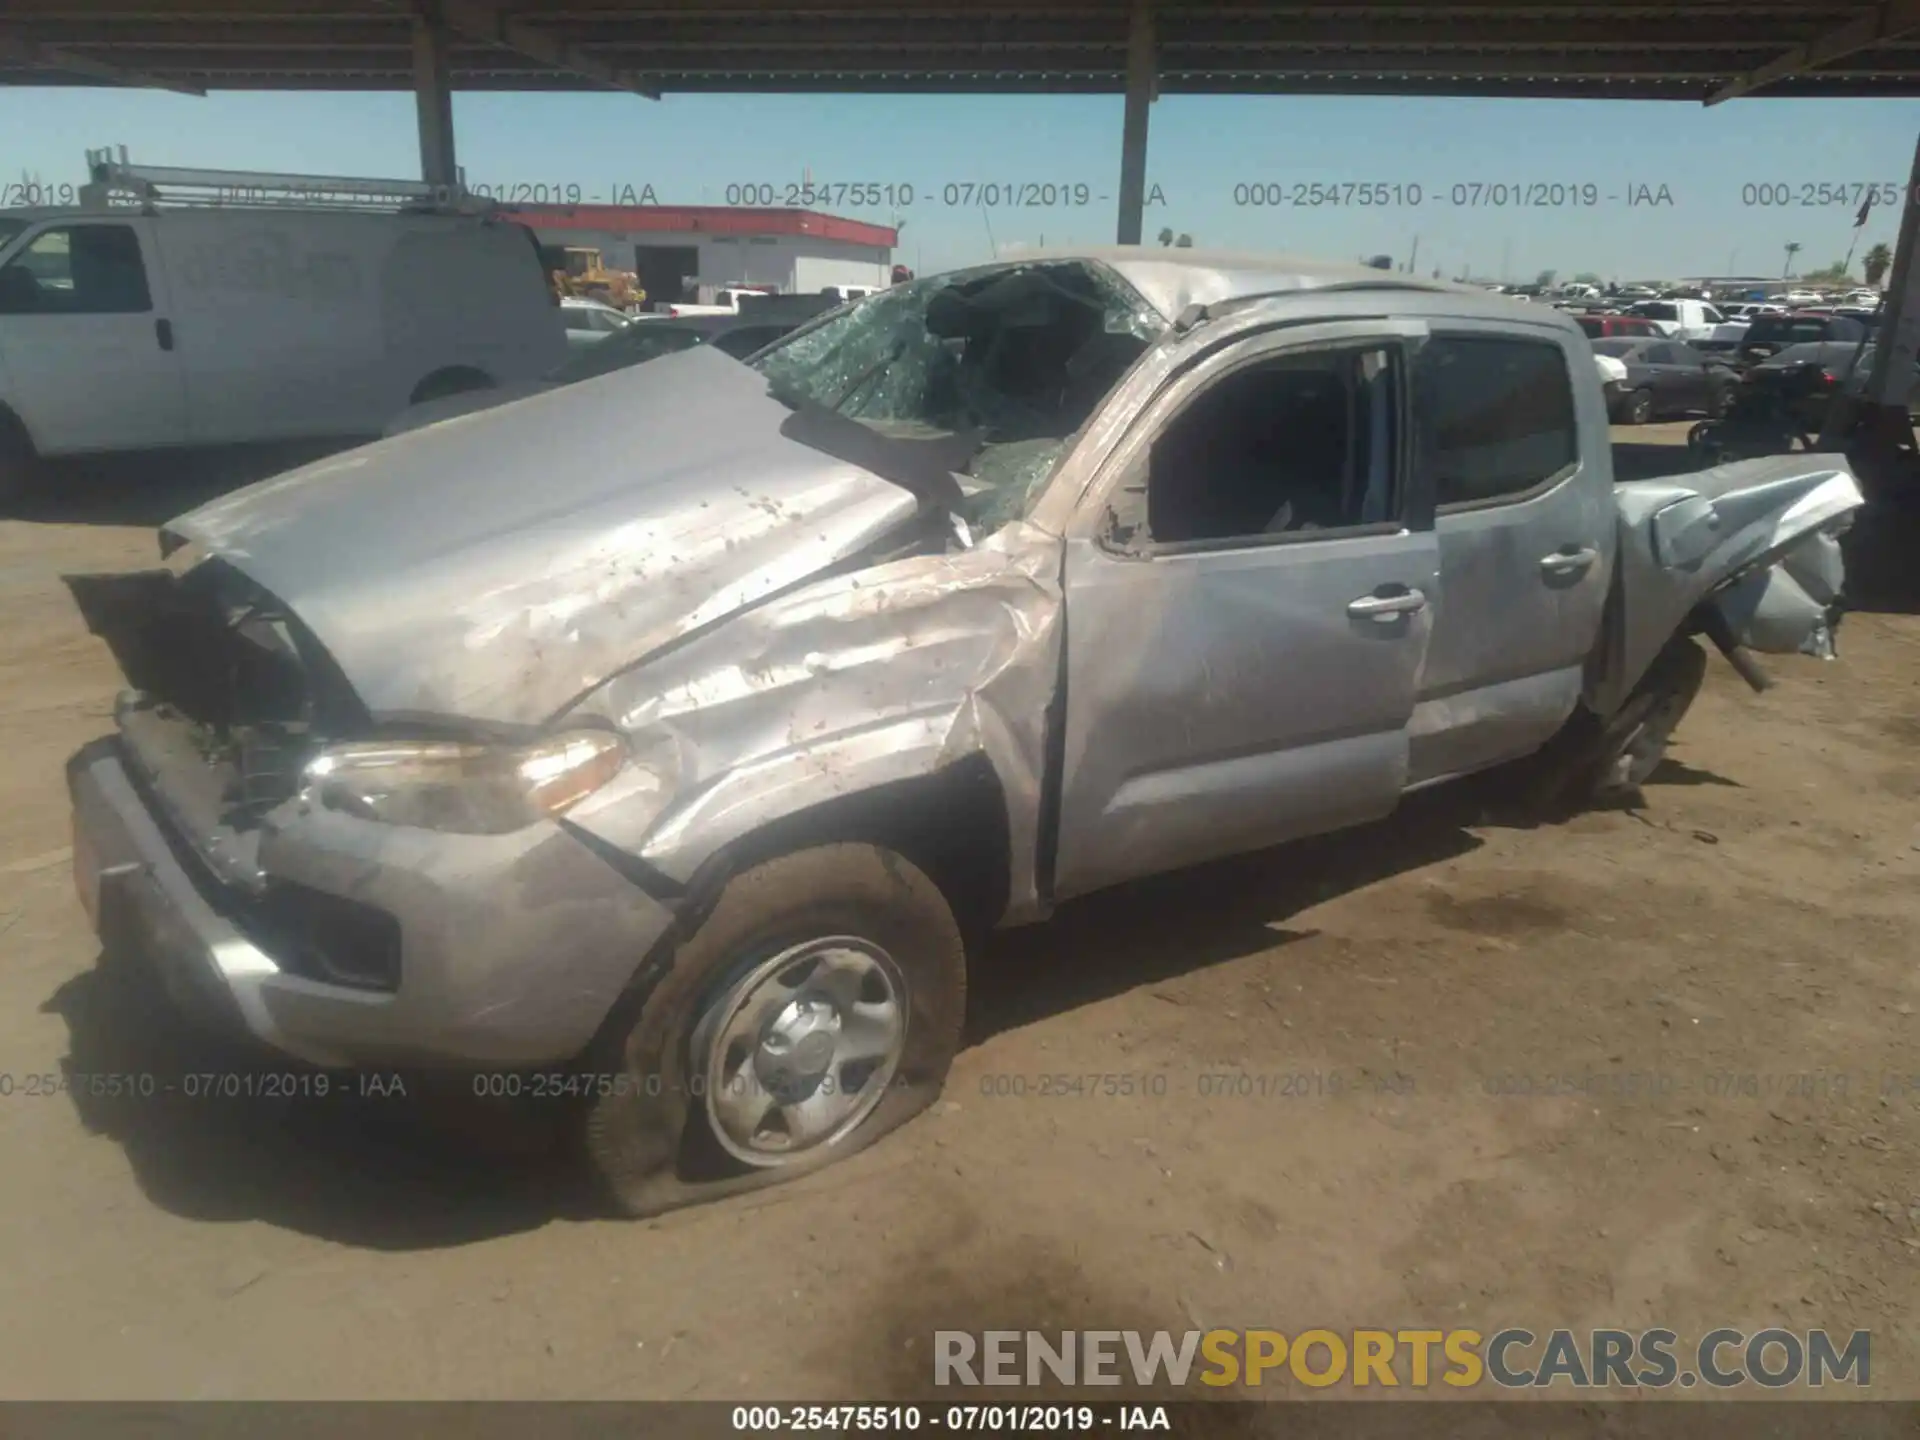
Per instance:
(433,95)
(1142,81)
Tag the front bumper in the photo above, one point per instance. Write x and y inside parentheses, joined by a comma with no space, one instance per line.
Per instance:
(512,948)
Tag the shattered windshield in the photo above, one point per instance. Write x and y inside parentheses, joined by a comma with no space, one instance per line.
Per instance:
(1016,357)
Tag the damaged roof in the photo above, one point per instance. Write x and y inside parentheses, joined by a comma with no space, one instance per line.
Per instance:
(1171,279)
(1682,50)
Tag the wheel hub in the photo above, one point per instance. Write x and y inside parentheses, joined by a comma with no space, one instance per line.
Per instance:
(799,1050)
(798,1047)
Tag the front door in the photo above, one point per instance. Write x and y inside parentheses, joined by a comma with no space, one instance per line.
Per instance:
(1248,605)
(86,343)
(1526,532)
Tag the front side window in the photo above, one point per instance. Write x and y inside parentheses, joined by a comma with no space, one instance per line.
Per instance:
(1495,417)
(1286,448)
(77,270)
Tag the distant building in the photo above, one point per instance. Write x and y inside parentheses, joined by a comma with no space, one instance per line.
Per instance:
(677,250)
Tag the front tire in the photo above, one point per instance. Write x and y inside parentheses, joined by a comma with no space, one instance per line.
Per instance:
(1631,745)
(1637,409)
(817,1007)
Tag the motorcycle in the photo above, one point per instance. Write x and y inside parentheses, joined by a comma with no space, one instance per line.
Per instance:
(1767,415)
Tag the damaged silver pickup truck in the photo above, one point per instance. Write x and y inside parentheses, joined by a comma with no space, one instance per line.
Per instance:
(680,728)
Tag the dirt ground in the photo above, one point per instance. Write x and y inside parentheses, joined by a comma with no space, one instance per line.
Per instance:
(1746,940)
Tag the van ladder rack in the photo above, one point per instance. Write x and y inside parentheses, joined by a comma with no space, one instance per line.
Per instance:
(113,182)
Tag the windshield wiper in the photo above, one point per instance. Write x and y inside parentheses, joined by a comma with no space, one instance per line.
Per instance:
(787,393)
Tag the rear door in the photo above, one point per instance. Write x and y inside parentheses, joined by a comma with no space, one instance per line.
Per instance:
(86,339)
(1678,383)
(1526,536)
(1249,590)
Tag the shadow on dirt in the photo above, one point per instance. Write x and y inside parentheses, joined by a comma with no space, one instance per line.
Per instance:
(1674,772)
(1170,925)
(220,1132)
(440,1168)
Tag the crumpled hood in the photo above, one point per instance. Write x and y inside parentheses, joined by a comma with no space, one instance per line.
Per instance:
(497,566)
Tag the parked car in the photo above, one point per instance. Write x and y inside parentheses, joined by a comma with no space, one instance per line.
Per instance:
(634,344)
(1786,400)
(1666,378)
(1770,334)
(124,328)
(1812,375)
(676,736)
(588,322)
(1680,319)
(1611,327)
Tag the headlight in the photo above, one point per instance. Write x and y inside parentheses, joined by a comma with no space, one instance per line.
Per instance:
(465,788)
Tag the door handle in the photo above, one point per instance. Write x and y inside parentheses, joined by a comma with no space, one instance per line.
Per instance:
(1569,562)
(1386,608)
(163,332)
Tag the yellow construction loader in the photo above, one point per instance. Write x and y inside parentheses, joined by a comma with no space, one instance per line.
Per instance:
(584,275)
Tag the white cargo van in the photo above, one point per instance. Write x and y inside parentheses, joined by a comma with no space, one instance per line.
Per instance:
(128,325)
(1681,319)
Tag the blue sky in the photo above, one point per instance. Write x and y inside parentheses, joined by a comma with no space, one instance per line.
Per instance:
(691,148)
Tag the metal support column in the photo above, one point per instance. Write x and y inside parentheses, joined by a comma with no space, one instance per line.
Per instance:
(1141,84)
(1882,407)
(1898,340)
(433,95)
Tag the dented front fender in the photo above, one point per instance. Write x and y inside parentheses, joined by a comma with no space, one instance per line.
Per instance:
(1717,536)
(890,674)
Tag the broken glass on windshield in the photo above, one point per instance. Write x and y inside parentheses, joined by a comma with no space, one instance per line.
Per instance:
(1018,356)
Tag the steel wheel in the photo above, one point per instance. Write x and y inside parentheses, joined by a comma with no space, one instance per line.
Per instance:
(1639,407)
(799,1050)
(1635,741)
(1641,750)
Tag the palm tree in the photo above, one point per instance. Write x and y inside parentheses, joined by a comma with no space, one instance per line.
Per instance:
(1166,236)
(1185,242)
(1879,260)
(1793,249)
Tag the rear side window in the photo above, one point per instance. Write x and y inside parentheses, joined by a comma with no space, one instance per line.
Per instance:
(77,270)
(1594,328)
(1789,329)
(1495,417)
